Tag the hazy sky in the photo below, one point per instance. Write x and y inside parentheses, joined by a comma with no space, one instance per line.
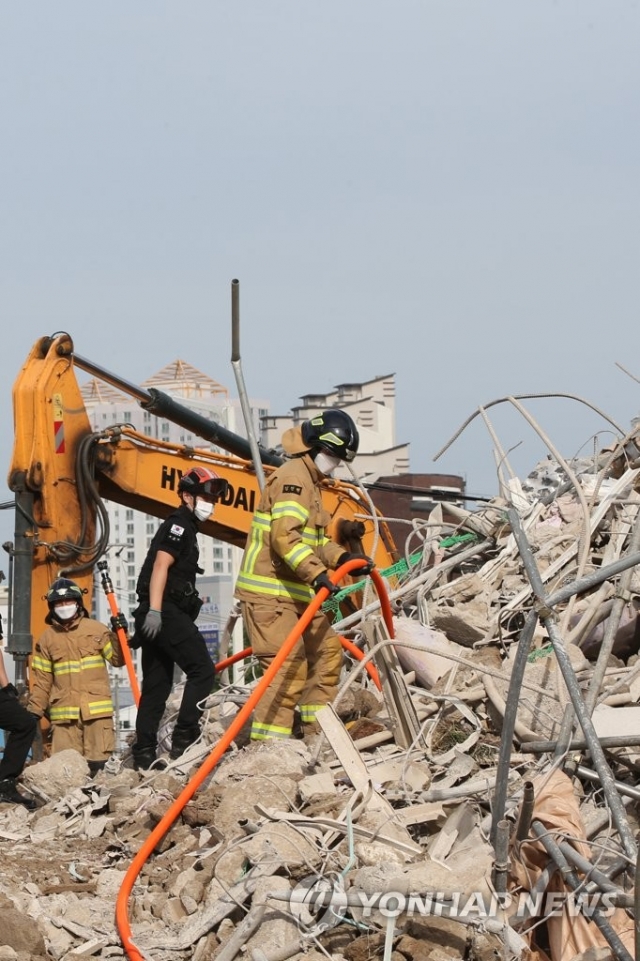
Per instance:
(444,190)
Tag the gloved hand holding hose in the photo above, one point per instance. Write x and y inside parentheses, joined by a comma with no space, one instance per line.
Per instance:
(367,563)
(323,580)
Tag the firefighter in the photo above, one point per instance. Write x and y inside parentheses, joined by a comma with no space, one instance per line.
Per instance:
(20,726)
(168,607)
(286,559)
(70,677)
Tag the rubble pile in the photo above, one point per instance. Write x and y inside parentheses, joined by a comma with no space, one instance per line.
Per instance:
(478,803)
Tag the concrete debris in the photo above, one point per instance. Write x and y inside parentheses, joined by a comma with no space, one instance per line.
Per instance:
(481,804)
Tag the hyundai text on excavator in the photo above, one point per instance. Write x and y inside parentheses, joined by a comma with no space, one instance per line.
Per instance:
(61,471)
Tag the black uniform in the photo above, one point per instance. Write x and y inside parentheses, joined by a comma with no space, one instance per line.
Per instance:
(20,727)
(179,641)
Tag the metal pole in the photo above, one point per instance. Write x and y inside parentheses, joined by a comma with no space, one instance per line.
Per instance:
(8,547)
(572,881)
(579,744)
(592,580)
(620,600)
(509,723)
(597,754)
(501,862)
(242,391)
(20,642)
(526,812)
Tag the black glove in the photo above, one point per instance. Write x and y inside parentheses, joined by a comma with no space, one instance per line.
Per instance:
(367,563)
(117,621)
(322,580)
(9,690)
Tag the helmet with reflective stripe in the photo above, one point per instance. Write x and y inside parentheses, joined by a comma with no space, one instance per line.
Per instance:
(63,589)
(334,432)
(202,481)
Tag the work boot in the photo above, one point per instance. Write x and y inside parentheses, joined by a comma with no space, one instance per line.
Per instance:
(142,760)
(9,794)
(181,740)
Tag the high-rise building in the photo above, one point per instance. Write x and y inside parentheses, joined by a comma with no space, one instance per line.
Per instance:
(372,406)
(132,531)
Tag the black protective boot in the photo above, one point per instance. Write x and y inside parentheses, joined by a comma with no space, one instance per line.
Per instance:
(9,794)
(181,740)
(142,760)
(95,767)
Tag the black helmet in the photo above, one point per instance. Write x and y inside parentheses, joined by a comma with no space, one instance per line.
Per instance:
(63,589)
(334,432)
(201,480)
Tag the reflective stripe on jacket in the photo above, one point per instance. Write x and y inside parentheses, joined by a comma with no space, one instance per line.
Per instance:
(287,546)
(69,671)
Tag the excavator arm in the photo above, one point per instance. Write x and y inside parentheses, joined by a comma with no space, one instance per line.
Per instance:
(61,472)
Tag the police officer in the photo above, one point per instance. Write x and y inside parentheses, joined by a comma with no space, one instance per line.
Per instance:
(164,620)
(20,727)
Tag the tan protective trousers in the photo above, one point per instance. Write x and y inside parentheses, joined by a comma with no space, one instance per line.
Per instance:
(95,740)
(308,678)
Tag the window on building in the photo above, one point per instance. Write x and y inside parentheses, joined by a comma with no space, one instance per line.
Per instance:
(130,528)
(218,567)
(129,515)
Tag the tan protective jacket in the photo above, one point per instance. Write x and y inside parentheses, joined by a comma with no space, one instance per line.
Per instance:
(287,546)
(69,671)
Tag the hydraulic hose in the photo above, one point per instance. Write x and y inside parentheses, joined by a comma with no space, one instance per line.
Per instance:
(359,655)
(107,586)
(148,846)
(346,643)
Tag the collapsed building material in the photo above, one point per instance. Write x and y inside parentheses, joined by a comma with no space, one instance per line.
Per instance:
(395,819)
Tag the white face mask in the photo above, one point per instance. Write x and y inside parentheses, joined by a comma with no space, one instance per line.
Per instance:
(326,463)
(203,510)
(66,611)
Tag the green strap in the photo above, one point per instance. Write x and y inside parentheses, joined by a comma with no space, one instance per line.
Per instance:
(331,606)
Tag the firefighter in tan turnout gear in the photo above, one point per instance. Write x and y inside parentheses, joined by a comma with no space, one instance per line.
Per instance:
(70,679)
(286,559)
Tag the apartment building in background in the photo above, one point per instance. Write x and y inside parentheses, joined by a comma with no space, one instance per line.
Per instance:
(131,532)
(373,408)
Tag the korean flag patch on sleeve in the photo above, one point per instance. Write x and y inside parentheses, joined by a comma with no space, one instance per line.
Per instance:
(175,533)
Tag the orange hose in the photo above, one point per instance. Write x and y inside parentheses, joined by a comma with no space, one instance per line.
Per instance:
(346,643)
(122,637)
(148,846)
(385,603)
(357,653)
(228,661)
